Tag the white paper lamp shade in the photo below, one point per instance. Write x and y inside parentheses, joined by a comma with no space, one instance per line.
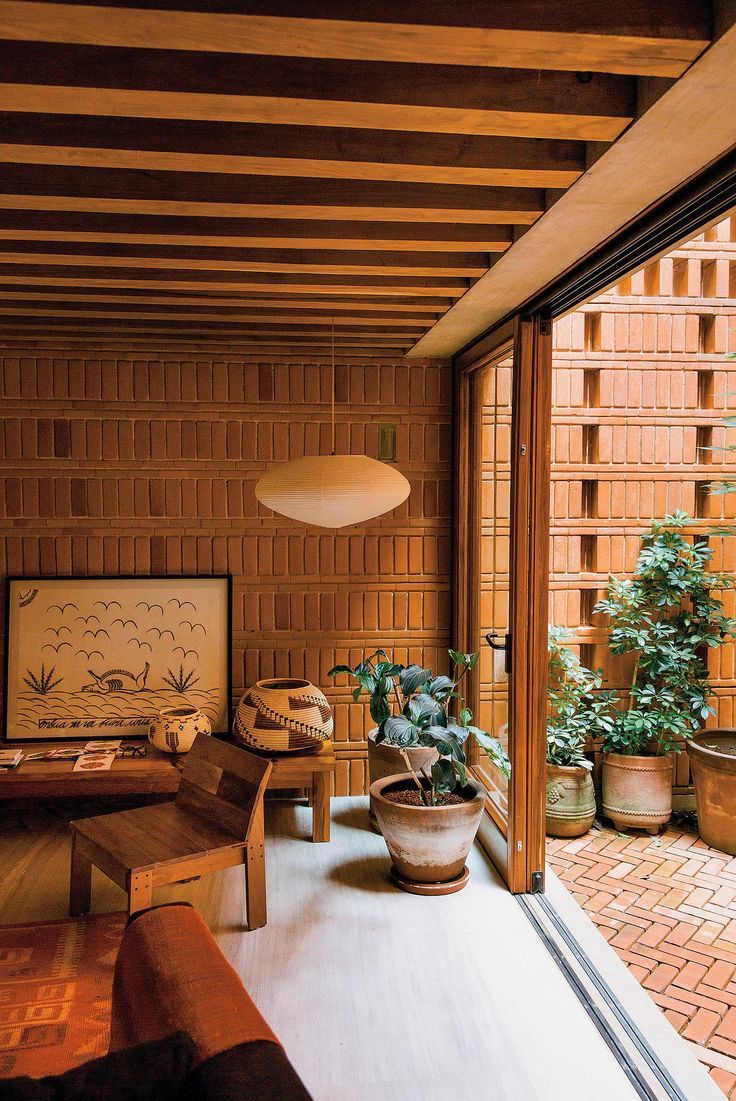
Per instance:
(332,491)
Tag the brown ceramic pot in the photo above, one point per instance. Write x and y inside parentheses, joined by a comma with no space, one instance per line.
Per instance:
(388,760)
(570,800)
(637,791)
(428,844)
(713,763)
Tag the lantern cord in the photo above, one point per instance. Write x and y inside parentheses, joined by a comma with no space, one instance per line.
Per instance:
(332,394)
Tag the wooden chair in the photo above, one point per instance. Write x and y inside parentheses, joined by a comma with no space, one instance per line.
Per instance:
(216,821)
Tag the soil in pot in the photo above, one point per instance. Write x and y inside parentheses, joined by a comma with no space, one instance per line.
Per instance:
(410,797)
(713,763)
(637,791)
(388,760)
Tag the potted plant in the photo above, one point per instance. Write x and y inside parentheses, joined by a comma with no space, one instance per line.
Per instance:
(666,616)
(713,763)
(386,682)
(578,709)
(429,814)
(713,753)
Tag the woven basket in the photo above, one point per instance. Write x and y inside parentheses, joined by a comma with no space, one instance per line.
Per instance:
(283,716)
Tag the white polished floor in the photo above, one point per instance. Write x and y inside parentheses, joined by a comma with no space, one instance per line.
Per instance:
(375,994)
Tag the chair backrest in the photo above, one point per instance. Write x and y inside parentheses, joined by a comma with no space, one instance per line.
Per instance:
(223,783)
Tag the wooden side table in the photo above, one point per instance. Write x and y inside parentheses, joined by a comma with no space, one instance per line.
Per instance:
(155,774)
(308,770)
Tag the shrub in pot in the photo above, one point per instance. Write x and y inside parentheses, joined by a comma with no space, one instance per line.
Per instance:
(578,709)
(666,616)
(428,814)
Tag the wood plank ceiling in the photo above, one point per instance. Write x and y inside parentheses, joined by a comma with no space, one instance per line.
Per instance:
(258,174)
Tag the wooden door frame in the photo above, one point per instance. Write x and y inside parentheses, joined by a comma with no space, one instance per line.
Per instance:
(520,853)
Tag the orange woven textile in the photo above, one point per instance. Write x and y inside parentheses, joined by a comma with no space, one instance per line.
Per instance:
(55,993)
(171,975)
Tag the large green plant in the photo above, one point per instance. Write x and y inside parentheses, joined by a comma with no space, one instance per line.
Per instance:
(579,707)
(667,616)
(410,707)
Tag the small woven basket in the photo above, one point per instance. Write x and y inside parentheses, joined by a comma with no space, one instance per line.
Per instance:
(283,716)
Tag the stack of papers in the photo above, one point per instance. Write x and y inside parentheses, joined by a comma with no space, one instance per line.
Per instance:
(9,758)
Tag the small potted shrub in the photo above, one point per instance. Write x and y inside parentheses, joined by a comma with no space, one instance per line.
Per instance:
(429,815)
(578,709)
(666,616)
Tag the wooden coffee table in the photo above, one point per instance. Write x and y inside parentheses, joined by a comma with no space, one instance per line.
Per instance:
(155,774)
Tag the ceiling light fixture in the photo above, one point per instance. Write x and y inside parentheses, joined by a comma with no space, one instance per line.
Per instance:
(332,491)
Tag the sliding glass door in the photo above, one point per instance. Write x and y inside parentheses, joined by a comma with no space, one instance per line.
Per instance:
(503,406)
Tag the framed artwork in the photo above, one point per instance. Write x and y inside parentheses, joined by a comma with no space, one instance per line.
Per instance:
(100,656)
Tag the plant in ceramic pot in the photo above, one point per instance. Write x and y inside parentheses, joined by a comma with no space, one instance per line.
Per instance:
(389,686)
(578,709)
(666,616)
(428,813)
(713,752)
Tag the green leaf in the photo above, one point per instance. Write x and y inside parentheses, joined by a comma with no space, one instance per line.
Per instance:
(443,777)
(333,672)
(440,688)
(468,661)
(399,731)
(413,677)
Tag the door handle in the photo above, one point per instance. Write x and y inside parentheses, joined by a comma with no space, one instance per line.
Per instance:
(501,642)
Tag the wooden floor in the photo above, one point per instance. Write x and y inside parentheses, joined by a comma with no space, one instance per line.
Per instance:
(374,993)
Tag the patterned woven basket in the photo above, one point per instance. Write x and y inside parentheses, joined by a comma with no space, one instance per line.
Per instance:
(283,716)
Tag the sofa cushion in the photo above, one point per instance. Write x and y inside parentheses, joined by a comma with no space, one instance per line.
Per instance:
(155,1071)
(257,1071)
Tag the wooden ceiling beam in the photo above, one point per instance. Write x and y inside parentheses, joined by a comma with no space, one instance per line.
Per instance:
(224,231)
(497,240)
(384,339)
(322,152)
(495,214)
(377,321)
(425,98)
(274,283)
(351,264)
(28,187)
(31,296)
(506,121)
(639,37)
(155,347)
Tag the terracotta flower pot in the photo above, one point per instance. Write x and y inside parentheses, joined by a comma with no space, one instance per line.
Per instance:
(713,763)
(174,728)
(283,715)
(428,845)
(637,791)
(388,760)
(570,800)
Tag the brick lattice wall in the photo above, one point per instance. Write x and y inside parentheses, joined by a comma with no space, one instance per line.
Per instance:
(148,466)
(640,386)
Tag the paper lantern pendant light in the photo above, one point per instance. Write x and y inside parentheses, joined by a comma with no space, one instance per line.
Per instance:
(332,491)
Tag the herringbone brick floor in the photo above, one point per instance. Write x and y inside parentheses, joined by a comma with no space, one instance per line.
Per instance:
(667,905)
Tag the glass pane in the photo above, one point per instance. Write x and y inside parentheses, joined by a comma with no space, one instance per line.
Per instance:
(492,401)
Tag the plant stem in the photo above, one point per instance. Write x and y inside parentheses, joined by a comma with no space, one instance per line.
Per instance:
(398,697)
(422,793)
(634,679)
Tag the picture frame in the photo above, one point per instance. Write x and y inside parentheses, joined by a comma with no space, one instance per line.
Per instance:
(99,657)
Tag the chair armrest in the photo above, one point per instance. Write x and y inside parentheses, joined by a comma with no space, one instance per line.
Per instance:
(170,975)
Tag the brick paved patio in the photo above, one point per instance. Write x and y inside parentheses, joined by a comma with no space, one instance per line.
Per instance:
(668,906)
